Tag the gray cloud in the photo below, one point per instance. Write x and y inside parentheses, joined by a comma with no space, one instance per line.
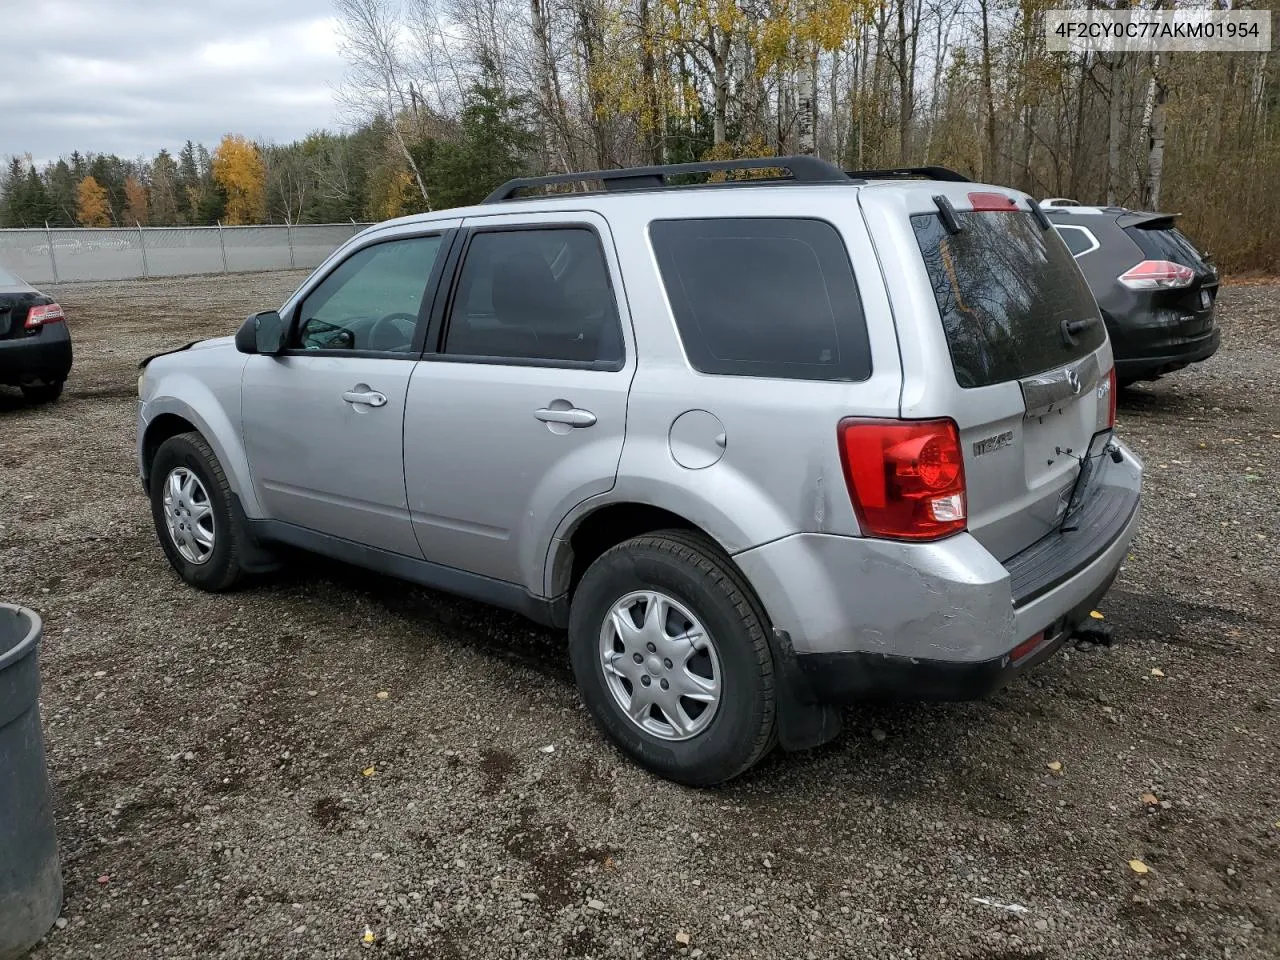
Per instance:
(132,76)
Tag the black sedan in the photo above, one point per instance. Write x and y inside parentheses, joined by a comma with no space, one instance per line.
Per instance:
(1155,289)
(35,346)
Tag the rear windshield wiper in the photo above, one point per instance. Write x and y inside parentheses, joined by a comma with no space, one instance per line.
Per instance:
(1041,217)
(1073,328)
(947,213)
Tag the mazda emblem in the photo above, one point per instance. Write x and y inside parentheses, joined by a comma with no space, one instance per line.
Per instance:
(1073,379)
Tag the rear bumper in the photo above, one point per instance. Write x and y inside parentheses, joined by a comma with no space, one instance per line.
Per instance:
(870,618)
(43,358)
(1136,360)
(847,677)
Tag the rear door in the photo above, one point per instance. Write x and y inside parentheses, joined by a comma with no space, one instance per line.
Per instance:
(518,410)
(999,332)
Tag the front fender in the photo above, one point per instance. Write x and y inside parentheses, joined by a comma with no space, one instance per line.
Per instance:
(215,413)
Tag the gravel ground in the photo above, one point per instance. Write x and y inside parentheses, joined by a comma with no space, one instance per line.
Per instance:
(328,757)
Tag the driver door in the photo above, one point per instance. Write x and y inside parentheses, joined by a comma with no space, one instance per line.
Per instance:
(324,422)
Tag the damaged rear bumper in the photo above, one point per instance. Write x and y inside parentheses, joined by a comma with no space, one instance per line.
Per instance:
(938,621)
(850,677)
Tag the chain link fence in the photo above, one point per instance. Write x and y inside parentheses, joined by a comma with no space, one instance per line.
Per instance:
(62,255)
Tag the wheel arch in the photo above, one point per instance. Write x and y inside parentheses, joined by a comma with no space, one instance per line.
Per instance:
(585,537)
(159,430)
(171,415)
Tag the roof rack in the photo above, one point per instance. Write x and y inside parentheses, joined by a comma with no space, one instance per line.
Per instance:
(905,173)
(802,169)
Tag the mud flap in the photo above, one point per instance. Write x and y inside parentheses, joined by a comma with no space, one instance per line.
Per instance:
(254,556)
(802,722)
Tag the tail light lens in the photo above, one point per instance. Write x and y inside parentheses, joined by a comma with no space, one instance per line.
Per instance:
(1106,418)
(905,477)
(37,317)
(1158,275)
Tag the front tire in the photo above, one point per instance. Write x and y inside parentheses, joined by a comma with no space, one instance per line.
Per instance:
(191,509)
(670,651)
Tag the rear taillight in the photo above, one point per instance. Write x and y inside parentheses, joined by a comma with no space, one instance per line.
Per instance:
(37,317)
(1106,406)
(905,477)
(1157,275)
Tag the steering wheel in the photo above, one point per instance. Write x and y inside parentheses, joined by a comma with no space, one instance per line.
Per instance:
(389,329)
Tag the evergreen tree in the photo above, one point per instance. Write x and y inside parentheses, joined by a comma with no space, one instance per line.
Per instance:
(12,194)
(211,204)
(62,194)
(164,191)
(495,141)
(188,194)
(38,209)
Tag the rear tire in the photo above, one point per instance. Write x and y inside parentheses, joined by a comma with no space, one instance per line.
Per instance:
(695,583)
(42,392)
(204,544)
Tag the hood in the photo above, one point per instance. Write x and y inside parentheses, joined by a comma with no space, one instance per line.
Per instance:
(210,344)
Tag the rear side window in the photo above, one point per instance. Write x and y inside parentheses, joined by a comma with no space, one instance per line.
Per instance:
(763,297)
(535,295)
(1005,289)
(1078,239)
(1166,244)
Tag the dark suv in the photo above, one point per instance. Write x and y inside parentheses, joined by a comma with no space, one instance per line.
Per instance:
(1154,288)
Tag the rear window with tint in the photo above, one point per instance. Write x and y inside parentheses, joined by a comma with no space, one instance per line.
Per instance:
(1004,289)
(1167,244)
(763,297)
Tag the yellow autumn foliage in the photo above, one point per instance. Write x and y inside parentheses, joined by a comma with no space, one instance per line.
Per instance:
(239,170)
(92,207)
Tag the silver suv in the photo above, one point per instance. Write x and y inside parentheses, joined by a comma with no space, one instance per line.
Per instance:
(763,446)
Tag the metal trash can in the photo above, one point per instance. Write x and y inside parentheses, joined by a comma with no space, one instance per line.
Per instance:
(30,881)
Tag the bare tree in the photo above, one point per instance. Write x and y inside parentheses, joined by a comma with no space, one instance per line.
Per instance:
(370,33)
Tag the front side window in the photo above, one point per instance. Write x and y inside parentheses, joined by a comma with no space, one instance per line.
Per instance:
(535,295)
(371,301)
(763,297)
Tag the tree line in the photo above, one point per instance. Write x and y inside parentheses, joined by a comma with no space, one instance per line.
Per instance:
(448,98)
(324,178)
(968,84)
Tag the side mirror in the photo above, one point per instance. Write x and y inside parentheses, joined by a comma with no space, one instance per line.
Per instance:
(262,333)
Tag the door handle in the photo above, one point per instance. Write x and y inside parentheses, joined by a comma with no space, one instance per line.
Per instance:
(371,399)
(574,417)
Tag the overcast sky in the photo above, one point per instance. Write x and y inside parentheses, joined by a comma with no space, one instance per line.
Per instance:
(132,76)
